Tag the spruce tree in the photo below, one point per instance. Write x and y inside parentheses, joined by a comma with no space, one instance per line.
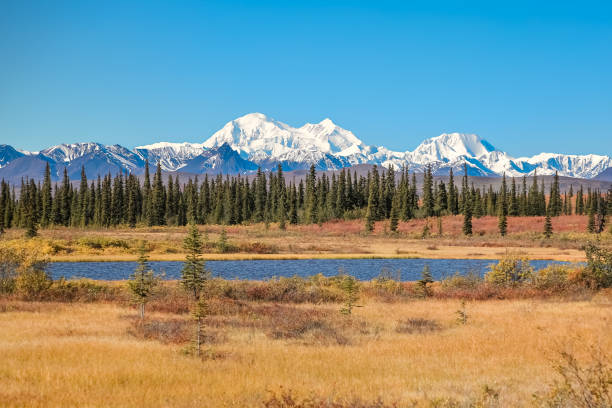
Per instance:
(428,196)
(369,218)
(28,204)
(591,221)
(282,212)
(157,213)
(65,200)
(146,194)
(452,195)
(502,222)
(394,218)
(143,281)
(194,277)
(47,204)
(467,218)
(548,229)
(83,199)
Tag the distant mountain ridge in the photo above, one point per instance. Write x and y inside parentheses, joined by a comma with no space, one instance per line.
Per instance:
(255,140)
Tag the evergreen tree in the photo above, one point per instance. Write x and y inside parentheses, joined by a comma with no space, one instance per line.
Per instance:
(143,282)
(467,217)
(394,218)
(428,196)
(65,200)
(157,215)
(369,224)
(513,206)
(554,202)
(29,209)
(83,204)
(548,229)
(591,220)
(47,204)
(502,223)
(146,195)
(453,208)
(194,277)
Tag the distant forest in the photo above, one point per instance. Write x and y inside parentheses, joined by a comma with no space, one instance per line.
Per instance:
(380,195)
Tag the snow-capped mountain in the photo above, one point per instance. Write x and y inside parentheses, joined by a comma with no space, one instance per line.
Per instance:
(268,142)
(171,156)
(256,140)
(8,154)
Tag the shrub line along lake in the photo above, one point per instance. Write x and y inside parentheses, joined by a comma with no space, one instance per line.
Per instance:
(362,269)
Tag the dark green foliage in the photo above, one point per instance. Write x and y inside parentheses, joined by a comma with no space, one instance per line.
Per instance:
(194,274)
(194,277)
(425,281)
(143,282)
(350,287)
(548,229)
(122,199)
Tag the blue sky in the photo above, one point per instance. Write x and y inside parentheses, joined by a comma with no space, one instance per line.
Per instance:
(528,78)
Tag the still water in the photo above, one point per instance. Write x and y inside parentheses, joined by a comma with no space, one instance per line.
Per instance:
(363,269)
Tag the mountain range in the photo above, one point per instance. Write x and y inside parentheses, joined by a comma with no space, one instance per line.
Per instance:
(255,140)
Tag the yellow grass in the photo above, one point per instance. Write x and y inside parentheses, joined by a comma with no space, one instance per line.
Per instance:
(303,242)
(82,355)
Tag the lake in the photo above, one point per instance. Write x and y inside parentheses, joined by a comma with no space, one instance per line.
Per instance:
(362,269)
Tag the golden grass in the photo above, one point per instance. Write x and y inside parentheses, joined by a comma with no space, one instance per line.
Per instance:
(331,240)
(82,355)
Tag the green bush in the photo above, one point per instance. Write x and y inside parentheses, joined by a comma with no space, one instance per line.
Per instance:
(510,270)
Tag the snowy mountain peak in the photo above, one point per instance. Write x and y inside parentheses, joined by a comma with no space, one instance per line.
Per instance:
(257,140)
(260,139)
(451,146)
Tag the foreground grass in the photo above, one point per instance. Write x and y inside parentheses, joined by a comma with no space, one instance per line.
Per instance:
(58,355)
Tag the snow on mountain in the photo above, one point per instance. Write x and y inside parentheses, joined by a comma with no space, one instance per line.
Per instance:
(264,140)
(171,156)
(222,159)
(256,140)
(114,154)
(8,154)
(585,166)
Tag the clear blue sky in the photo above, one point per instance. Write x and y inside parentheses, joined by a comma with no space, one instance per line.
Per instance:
(528,78)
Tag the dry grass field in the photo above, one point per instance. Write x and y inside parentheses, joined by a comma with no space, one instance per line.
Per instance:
(91,355)
(340,239)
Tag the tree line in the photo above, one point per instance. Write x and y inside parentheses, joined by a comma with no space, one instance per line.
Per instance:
(382,194)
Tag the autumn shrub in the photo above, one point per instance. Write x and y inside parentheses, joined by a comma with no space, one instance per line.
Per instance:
(416,325)
(103,242)
(554,276)
(288,399)
(84,290)
(470,280)
(512,269)
(598,270)
(258,248)
(177,331)
(580,384)
(32,280)
(9,266)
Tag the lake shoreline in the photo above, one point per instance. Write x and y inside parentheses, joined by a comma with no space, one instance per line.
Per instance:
(486,253)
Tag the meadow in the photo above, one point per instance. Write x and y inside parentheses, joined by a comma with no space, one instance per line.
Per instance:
(401,353)
(336,239)
(517,338)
